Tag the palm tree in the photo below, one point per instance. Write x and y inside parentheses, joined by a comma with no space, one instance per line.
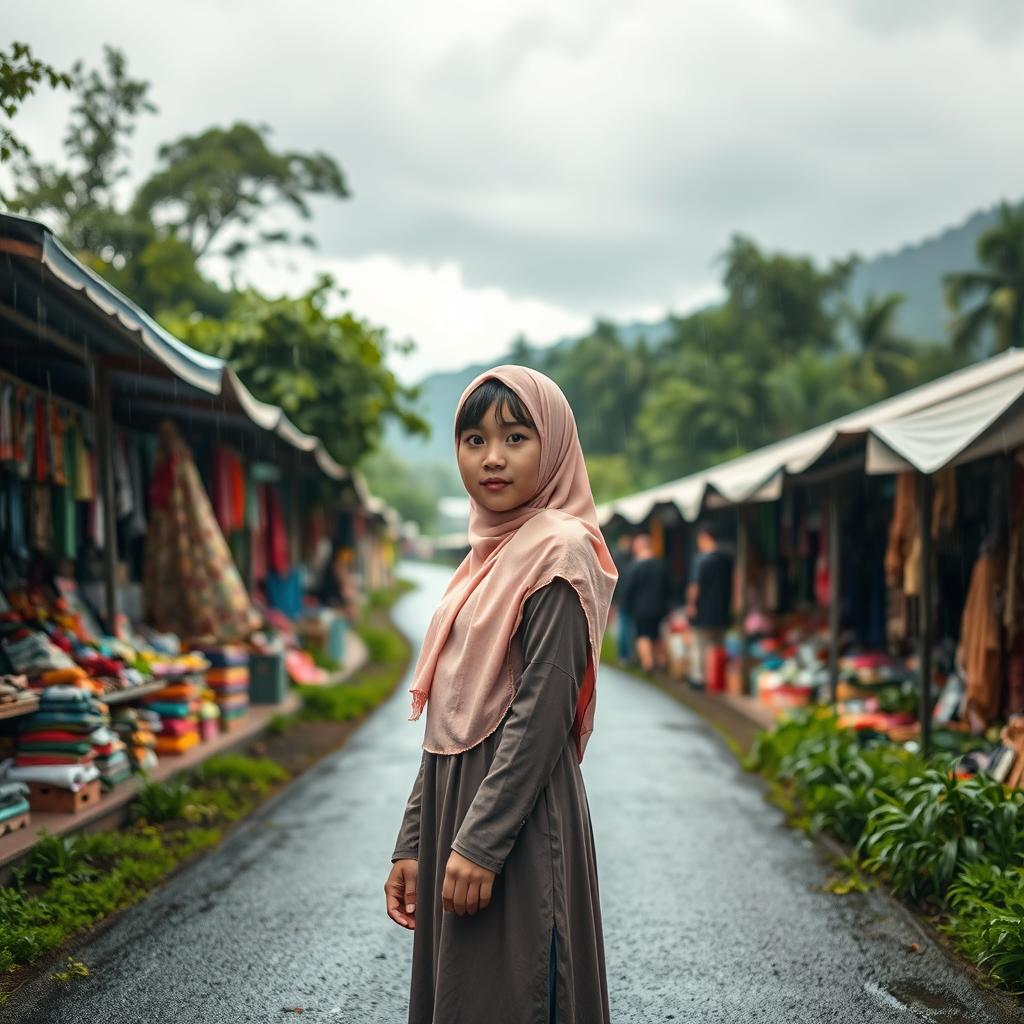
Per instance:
(884,361)
(1000,285)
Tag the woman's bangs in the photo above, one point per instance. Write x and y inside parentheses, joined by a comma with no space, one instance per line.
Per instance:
(510,407)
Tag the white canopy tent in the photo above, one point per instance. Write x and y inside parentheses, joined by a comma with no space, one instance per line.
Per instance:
(974,412)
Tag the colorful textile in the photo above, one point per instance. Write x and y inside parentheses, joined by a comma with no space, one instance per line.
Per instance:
(12,811)
(71,777)
(191,585)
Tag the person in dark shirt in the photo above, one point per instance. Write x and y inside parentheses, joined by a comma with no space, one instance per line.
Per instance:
(645,596)
(708,599)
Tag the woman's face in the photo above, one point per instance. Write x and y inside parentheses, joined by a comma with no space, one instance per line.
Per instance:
(499,462)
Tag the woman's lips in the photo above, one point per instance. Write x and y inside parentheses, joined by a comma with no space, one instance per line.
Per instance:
(496,485)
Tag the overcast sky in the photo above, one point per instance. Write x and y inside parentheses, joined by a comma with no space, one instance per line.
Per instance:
(525,166)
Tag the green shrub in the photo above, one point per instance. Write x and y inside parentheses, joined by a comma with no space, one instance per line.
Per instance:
(382,643)
(238,770)
(53,857)
(988,920)
(924,836)
(161,801)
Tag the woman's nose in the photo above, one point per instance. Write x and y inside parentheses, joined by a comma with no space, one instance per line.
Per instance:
(494,459)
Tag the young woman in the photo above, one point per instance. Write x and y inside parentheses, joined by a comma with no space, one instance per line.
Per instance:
(495,868)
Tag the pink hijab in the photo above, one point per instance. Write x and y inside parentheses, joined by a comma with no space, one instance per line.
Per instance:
(464,665)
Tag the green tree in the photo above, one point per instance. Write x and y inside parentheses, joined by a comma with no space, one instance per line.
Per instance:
(787,296)
(809,389)
(79,199)
(326,370)
(605,381)
(884,362)
(223,179)
(997,289)
(20,75)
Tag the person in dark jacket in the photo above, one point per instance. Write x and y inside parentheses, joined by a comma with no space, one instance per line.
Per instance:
(623,557)
(645,596)
(708,599)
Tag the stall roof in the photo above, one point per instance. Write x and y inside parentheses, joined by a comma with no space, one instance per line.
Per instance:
(759,475)
(134,337)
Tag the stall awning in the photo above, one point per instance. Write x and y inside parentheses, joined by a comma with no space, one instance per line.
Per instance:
(759,475)
(964,428)
(155,372)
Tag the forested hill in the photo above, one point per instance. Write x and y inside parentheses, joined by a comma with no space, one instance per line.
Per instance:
(915,271)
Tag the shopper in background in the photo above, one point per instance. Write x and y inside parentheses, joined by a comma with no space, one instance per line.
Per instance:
(645,597)
(623,557)
(708,599)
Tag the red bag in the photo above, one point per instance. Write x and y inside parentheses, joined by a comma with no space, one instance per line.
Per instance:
(714,670)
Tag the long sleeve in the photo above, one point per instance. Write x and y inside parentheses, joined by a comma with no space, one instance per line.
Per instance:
(554,644)
(408,844)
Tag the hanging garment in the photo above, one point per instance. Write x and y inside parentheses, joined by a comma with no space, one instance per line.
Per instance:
(40,516)
(16,516)
(257,532)
(191,585)
(85,484)
(42,440)
(277,535)
(902,529)
(221,488)
(124,499)
(238,496)
(979,640)
(7,422)
(1013,605)
(58,460)
(28,434)
(137,519)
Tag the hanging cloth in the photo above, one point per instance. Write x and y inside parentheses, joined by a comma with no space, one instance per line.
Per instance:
(137,519)
(257,533)
(238,498)
(58,460)
(277,534)
(902,529)
(191,585)
(85,488)
(65,512)
(42,440)
(6,422)
(979,641)
(28,433)
(221,488)
(16,516)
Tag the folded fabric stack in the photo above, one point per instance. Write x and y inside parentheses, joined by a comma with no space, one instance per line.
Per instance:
(228,677)
(30,652)
(137,728)
(13,801)
(15,690)
(66,776)
(177,704)
(58,735)
(110,756)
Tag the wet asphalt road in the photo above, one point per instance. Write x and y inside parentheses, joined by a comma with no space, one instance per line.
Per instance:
(713,909)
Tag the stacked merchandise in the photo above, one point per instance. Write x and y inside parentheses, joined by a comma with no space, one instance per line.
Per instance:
(110,755)
(177,704)
(137,728)
(15,690)
(55,743)
(877,692)
(228,677)
(14,806)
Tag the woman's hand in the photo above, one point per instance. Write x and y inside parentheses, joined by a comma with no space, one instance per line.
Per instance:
(400,890)
(467,886)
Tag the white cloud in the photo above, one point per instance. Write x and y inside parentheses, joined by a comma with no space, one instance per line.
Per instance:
(519,165)
(451,323)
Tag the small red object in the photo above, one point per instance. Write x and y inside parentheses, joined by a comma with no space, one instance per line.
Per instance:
(715,670)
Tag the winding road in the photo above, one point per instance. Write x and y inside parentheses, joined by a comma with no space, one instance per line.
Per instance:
(713,909)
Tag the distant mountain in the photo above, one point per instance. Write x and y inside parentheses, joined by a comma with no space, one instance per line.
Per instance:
(915,270)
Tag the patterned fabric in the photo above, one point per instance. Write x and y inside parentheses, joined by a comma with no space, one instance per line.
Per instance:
(191,585)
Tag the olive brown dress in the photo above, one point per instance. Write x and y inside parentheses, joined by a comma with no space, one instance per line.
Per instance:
(515,804)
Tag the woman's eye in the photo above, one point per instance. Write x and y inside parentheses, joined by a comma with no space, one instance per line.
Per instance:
(516,437)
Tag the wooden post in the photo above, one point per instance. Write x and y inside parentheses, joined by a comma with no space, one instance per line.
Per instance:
(924,601)
(105,451)
(743,572)
(834,589)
